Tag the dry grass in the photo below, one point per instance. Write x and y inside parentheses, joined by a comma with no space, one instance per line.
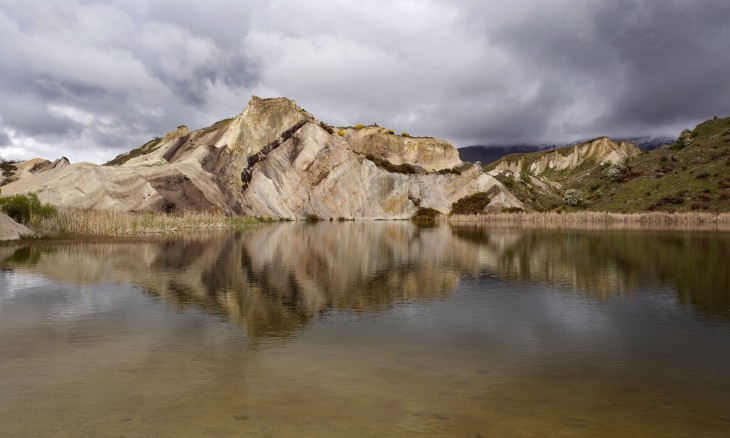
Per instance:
(600,219)
(111,223)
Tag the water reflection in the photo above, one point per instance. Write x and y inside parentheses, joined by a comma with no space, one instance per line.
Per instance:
(272,281)
(606,263)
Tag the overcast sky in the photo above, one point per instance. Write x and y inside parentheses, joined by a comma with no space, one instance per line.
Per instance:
(90,80)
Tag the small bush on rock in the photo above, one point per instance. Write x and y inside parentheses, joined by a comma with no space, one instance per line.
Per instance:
(425,215)
(684,140)
(572,197)
(614,170)
(472,204)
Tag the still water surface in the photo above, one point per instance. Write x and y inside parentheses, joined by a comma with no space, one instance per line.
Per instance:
(369,329)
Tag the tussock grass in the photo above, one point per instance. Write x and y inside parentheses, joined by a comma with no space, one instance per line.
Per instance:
(595,218)
(70,222)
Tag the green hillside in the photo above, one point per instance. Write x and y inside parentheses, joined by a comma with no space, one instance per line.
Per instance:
(691,175)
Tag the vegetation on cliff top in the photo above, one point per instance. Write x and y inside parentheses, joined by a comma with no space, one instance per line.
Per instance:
(146,148)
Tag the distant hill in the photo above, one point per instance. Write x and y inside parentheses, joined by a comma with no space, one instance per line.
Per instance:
(539,178)
(490,154)
(690,174)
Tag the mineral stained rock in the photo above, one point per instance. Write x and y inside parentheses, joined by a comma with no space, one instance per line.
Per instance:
(273,160)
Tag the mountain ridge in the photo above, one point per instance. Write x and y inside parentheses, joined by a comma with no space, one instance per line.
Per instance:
(274,160)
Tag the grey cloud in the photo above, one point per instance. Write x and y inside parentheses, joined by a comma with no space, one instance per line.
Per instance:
(675,60)
(129,74)
(105,77)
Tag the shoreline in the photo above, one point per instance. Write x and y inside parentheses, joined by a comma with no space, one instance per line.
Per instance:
(600,220)
(103,226)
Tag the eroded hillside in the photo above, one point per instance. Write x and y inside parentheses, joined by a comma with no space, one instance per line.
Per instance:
(693,174)
(274,160)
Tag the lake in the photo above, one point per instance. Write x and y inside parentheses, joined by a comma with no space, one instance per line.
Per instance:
(369,329)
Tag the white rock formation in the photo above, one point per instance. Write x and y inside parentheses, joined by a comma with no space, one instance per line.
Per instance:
(11,230)
(10,172)
(273,160)
(598,151)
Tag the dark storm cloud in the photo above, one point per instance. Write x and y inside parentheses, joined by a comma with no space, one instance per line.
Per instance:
(675,57)
(92,79)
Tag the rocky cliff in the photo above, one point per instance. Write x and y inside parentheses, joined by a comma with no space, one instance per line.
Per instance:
(13,171)
(273,160)
(539,179)
(583,155)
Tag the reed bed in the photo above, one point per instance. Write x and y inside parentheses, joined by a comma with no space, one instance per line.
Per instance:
(114,223)
(600,219)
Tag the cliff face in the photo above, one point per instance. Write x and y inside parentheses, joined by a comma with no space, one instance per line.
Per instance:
(593,153)
(13,171)
(273,160)
(430,153)
(540,178)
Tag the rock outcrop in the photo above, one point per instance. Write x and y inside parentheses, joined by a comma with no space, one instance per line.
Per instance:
(430,153)
(273,160)
(11,230)
(14,171)
(539,179)
(589,154)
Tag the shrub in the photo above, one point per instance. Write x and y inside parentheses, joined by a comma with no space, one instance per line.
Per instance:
(405,134)
(472,204)
(341,133)
(425,215)
(684,140)
(26,209)
(390,131)
(390,167)
(673,199)
(572,197)
(509,181)
(327,127)
(359,126)
(614,170)
(513,210)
